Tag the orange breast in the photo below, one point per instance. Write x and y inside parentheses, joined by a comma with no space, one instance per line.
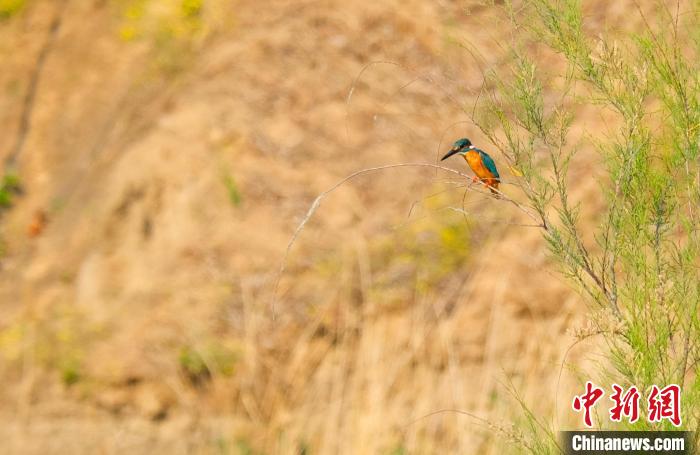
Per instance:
(475,163)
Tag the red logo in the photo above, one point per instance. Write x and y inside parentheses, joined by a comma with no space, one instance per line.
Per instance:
(665,404)
(587,400)
(627,404)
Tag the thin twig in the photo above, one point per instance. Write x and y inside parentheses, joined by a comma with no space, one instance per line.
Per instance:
(30,96)
(317,202)
(354,85)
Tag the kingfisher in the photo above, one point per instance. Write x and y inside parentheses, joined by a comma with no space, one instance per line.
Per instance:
(479,161)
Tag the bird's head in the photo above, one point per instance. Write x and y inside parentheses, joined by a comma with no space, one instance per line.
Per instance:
(461,146)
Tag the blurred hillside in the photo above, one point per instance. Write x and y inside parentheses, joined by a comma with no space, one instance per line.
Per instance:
(171,149)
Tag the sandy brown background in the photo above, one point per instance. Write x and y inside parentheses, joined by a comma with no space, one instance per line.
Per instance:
(173,172)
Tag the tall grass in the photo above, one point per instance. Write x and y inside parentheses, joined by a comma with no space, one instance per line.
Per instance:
(639,269)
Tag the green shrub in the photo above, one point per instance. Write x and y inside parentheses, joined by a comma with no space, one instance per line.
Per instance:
(191,9)
(9,8)
(234,194)
(70,371)
(200,363)
(172,29)
(9,188)
(193,365)
(55,341)
(640,275)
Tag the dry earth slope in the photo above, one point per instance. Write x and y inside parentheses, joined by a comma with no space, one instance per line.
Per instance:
(172,177)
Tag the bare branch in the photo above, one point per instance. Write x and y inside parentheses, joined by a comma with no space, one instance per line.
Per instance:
(317,203)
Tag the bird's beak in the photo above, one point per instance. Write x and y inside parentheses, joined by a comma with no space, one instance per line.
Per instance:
(450,153)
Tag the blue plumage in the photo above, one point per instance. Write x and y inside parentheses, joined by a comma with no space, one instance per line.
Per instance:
(489,163)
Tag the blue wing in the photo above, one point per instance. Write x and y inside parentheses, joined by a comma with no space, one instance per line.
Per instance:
(489,163)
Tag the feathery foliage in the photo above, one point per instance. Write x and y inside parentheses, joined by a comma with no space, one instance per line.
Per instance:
(640,268)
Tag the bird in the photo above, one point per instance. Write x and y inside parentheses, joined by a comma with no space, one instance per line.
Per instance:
(479,161)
